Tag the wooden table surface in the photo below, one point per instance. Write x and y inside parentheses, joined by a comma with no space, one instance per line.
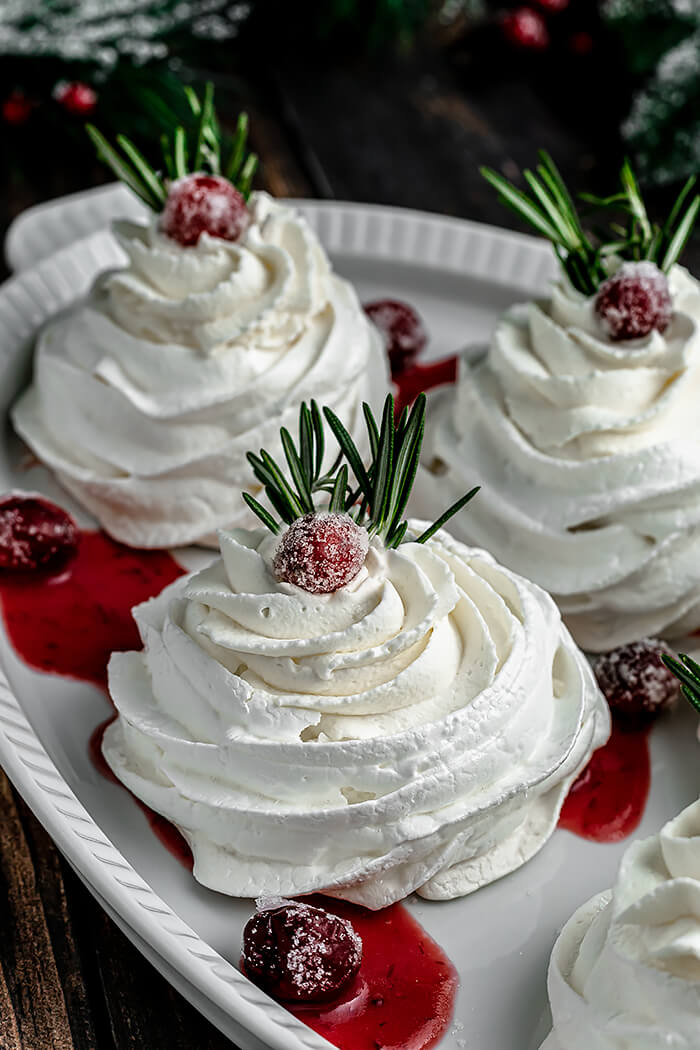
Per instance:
(411,134)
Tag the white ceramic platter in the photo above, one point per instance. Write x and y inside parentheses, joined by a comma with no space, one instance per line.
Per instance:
(460,276)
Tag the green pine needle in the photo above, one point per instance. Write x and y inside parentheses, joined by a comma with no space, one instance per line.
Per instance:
(183,151)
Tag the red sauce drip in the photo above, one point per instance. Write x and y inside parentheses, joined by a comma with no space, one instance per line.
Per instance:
(166,833)
(70,623)
(404,994)
(607,800)
(420,378)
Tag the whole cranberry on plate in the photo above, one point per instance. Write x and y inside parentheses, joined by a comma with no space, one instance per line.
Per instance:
(35,534)
(299,953)
(635,681)
(403,331)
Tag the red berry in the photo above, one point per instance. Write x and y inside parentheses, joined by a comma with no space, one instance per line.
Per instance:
(553,6)
(76,97)
(16,109)
(634,301)
(200,204)
(525,28)
(299,953)
(35,534)
(321,552)
(403,331)
(635,681)
(581,43)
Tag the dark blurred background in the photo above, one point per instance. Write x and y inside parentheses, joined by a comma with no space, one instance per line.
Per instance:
(391,101)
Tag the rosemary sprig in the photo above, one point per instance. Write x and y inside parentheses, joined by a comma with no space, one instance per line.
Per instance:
(199,147)
(552,212)
(643,239)
(550,209)
(378,497)
(687,671)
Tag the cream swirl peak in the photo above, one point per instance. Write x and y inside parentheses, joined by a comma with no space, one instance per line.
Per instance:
(416,729)
(147,395)
(625,971)
(587,448)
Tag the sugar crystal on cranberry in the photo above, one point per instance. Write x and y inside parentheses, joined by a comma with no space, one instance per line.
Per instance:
(635,681)
(35,534)
(200,203)
(634,301)
(299,953)
(321,552)
(402,328)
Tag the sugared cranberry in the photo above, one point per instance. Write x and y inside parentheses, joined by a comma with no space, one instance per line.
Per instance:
(198,204)
(321,552)
(634,301)
(76,97)
(16,108)
(525,28)
(403,331)
(35,534)
(635,681)
(299,953)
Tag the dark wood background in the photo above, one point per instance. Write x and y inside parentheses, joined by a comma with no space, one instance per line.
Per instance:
(409,133)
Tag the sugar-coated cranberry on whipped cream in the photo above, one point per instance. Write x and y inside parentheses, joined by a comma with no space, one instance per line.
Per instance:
(625,971)
(147,395)
(588,452)
(415,729)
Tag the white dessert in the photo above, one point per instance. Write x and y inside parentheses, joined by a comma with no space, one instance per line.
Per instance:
(625,971)
(588,453)
(417,729)
(147,395)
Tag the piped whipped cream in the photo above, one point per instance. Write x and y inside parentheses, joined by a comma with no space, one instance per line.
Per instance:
(588,453)
(625,971)
(148,394)
(417,729)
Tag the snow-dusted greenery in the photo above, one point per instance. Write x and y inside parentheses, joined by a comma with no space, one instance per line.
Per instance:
(104,31)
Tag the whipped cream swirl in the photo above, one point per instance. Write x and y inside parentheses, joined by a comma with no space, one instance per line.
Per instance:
(588,452)
(415,730)
(625,971)
(148,394)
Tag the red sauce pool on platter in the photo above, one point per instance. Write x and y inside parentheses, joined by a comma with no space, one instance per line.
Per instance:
(69,622)
(607,800)
(403,997)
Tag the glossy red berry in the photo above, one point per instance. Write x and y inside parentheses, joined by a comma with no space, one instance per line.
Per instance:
(321,552)
(76,97)
(635,681)
(634,301)
(16,108)
(35,534)
(198,204)
(404,334)
(525,28)
(299,953)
